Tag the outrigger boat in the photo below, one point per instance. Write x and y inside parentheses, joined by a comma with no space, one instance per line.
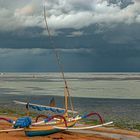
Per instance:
(50,124)
(65,119)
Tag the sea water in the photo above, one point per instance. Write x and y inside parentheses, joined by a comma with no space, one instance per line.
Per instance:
(115,95)
(88,85)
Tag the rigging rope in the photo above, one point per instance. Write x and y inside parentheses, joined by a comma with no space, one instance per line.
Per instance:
(57,57)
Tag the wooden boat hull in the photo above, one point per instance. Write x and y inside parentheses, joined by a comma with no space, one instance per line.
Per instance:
(43,130)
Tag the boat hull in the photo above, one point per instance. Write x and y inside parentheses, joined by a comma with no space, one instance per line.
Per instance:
(45,129)
(41,132)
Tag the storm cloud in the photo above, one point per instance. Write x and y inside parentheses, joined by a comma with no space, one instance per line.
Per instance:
(91,35)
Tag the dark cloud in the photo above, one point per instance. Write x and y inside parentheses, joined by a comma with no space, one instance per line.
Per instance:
(96,36)
(121,3)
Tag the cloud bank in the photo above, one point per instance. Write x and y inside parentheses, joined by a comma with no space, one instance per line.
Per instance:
(62,14)
(91,35)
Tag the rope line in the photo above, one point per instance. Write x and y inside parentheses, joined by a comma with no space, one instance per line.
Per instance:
(57,57)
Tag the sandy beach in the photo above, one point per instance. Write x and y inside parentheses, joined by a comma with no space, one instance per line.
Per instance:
(94,134)
(57,136)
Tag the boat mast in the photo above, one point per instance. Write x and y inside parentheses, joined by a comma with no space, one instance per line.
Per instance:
(66,89)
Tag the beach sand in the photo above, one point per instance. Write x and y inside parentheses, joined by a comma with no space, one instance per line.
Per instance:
(94,134)
(56,136)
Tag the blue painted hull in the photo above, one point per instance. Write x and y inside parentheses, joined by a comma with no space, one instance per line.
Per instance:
(44,130)
(41,132)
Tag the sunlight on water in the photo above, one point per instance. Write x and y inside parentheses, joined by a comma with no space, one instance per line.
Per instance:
(93,85)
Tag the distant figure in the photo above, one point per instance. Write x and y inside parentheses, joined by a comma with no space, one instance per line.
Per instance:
(52,102)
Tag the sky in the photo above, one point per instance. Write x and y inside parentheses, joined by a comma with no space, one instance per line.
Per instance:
(89,35)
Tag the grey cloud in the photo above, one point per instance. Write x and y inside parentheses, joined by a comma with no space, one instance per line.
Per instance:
(67,13)
(121,59)
(121,3)
(41,60)
(99,35)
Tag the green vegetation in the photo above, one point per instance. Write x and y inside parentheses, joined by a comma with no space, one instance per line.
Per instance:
(119,123)
(127,125)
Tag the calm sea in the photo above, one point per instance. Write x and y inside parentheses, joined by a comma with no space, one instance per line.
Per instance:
(115,95)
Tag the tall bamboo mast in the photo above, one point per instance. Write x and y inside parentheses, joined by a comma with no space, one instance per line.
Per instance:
(66,88)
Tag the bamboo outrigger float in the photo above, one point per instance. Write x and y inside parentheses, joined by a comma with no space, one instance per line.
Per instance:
(51,124)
